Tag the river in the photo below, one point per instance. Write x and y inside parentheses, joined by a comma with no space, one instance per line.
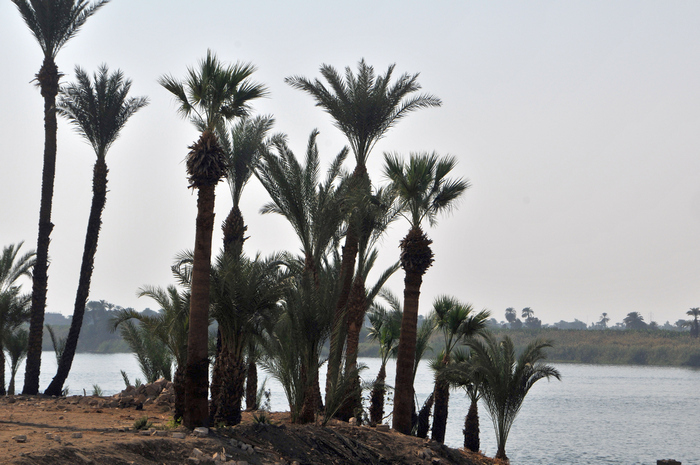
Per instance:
(597,414)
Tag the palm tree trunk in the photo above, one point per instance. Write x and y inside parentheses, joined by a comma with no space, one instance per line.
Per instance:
(251,386)
(357,305)
(376,405)
(416,258)
(442,399)
(471,428)
(99,198)
(423,423)
(234,229)
(197,367)
(309,378)
(48,80)
(179,388)
(230,393)
(2,371)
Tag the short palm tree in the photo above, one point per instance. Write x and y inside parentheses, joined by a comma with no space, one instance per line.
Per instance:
(52,23)
(169,327)
(245,296)
(98,109)
(364,107)
(14,306)
(424,191)
(506,379)
(210,95)
(16,347)
(694,323)
(384,328)
(457,322)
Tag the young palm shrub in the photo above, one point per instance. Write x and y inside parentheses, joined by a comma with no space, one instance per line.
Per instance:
(152,355)
(424,191)
(457,322)
(292,350)
(98,109)
(384,328)
(169,327)
(14,306)
(52,23)
(245,296)
(506,379)
(210,95)
(16,346)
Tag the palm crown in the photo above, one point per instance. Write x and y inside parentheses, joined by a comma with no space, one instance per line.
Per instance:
(99,109)
(55,22)
(214,93)
(422,185)
(363,105)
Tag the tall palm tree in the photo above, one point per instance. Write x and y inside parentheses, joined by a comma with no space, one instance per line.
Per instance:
(210,95)
(634,320)
(507,379)
(14,306)
(364,107)
(170,327)
(694,324)
(313,209)
(604,320)
(424,191)
(527,313)
(457,322)
(52,23)
(384,328)
(16,347)
(245,296)
(98,109)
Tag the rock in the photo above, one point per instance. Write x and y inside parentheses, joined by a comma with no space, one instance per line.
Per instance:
(179,435)
(20,438)
(219,457)
(83,458)
(201,432)
(383,428)
(667,462)
(160,433)
(77,435)
(353,421)
(197,453)
(49,436)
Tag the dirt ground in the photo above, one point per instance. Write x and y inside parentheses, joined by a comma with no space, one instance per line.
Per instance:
(80,430)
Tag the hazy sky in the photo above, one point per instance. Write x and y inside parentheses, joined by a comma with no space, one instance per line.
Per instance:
(577,123)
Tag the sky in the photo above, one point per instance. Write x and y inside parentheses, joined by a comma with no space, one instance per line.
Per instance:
(576,123)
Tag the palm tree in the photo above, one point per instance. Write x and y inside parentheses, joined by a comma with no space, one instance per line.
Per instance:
(98,110)
(312,208)
(511,315)
(52,23)
(694,324)
(527,313)
(210,95)
(457,322)
(424,191)
(16,347)
(604,320)
(245,296)
(169,327)
(14,306)
(384,328)
(634,320)
(364,107)
(506,379)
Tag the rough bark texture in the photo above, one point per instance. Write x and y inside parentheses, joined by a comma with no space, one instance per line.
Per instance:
(357,306)
(442,399)
(230,394)
(99,198)
(416,258)
(2,371)
(423,425)
(179,387)
(197,368)
(309,407)
(251,387)
(376,404)
(471,428)
(48,81)
(217,374)
(234,230)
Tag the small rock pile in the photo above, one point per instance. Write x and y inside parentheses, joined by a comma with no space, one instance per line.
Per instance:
(160,392)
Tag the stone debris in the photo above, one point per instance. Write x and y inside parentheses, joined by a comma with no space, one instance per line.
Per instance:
(160,392)
(49,436)
(83,458)
(20,438)
(353,421)
(76,435)
(383,428)
(201,432)
(179,435)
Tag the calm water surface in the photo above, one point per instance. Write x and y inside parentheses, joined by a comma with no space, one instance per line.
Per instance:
(597,414)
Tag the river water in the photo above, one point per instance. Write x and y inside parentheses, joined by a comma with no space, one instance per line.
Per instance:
(597,414)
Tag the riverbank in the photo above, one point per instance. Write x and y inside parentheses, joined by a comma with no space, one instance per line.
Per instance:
(84,430)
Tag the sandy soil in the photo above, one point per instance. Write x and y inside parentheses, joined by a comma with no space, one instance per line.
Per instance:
(80,430)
